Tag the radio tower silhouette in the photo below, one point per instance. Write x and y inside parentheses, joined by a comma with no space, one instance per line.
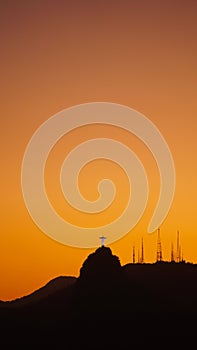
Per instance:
(159,249)
(133,254)
(178,249)
(142,256)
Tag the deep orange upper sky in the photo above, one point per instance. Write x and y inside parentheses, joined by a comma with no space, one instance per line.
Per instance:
(56,54)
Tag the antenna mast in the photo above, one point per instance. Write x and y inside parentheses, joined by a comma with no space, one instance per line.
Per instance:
(142,257)
(178,248)
(159,249)
(133,254)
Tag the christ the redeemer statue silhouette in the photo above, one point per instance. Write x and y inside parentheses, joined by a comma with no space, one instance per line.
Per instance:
(102,238)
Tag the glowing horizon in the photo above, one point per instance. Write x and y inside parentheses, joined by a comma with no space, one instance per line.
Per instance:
(56,55)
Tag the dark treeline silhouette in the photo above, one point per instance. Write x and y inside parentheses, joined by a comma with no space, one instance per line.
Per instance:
(138,302)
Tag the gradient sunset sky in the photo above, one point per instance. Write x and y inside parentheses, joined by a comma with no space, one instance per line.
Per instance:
(56,54)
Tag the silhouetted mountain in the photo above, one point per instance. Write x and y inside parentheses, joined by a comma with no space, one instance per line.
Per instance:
(100,265)
(150,299)
(99,286)
(53,286)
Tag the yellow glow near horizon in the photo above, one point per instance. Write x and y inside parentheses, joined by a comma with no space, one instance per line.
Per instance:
(55,56)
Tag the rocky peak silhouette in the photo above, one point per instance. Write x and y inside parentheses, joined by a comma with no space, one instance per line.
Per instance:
(99,286)
(145,297)
(100,265)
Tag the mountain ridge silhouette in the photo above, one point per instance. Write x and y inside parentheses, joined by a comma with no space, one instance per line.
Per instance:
(152,295)
(50,287)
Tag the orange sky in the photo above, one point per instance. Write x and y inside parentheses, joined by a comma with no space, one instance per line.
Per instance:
(56,54)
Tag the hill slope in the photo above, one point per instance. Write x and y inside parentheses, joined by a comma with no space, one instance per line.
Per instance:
(148,298)
(53,286)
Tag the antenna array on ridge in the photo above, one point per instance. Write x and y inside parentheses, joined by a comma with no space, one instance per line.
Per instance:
(176,254)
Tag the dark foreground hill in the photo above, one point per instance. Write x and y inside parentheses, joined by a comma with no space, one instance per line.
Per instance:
(134,303)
